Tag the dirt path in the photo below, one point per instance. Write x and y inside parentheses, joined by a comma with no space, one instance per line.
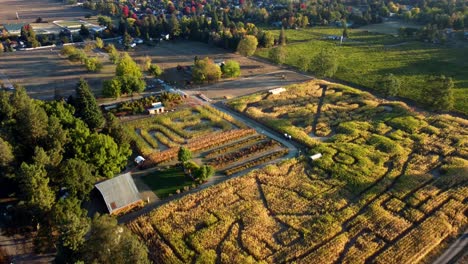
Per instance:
(19,249)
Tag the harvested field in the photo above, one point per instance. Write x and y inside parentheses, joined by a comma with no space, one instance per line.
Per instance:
(43,72)
(390,187)
(30,10)
(169,55)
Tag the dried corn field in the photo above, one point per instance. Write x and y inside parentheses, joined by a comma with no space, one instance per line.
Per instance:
(390,187)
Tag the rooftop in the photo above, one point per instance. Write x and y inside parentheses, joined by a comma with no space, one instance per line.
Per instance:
(119,192)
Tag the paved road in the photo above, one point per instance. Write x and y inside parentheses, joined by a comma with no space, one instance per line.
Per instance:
(458,249)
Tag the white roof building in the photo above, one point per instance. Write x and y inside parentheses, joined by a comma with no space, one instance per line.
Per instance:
(277,90)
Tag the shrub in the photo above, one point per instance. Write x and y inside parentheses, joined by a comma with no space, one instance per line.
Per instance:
(231,69)
(155,70)
(407,123)
(93,64)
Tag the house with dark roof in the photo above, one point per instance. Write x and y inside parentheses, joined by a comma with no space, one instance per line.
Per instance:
(120,193)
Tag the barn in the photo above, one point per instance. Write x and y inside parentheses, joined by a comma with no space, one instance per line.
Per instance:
(120,193)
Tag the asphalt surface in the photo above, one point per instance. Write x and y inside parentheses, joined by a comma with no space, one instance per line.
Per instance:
(457,250)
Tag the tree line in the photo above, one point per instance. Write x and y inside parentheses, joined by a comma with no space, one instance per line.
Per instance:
(51,155)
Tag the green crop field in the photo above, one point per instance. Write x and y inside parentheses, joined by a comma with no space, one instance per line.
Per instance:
(366,57)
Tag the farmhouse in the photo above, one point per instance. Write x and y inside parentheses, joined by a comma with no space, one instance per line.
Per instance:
(277,90)
(119,193)
(13,29)
(156,108)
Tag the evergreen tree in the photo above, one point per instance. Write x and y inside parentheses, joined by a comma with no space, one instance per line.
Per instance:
(282,37)
(441,92)
(389,85)
(86,106)
(35,187)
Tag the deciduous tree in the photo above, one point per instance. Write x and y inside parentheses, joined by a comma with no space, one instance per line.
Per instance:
(99,43)
(109,242)
(184,154)
(206,70)
(93,64)
(107,157)
(77,176)
(247,45)
(112,88)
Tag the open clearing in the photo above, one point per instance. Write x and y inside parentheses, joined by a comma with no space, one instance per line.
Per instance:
(43,72)
(255,74)
(30,10)
(391,185)
(366,57)
(389,27)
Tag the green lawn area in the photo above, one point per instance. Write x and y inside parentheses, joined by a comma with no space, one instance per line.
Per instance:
(166,182)
(366,57)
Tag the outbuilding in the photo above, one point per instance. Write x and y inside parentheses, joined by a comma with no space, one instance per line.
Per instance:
(120,193)
(277,90)
(139,160)
(316,156)
(156,108)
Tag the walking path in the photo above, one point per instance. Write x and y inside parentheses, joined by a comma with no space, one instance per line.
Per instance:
(293,152)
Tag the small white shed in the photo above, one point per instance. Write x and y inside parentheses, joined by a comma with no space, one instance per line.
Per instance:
(156,108)
(139,160)
(316,156)
(277,90)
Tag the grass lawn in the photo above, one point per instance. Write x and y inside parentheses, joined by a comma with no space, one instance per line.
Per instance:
(166,182)
(366,57)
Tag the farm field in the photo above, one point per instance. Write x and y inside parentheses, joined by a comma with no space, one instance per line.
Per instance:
(48,10)
(168,55)
(43,72)
(215,138)
(365,57)
(389,27)
(391,186)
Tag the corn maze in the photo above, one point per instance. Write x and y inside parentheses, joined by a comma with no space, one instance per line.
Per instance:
(217,138)
(392,185)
